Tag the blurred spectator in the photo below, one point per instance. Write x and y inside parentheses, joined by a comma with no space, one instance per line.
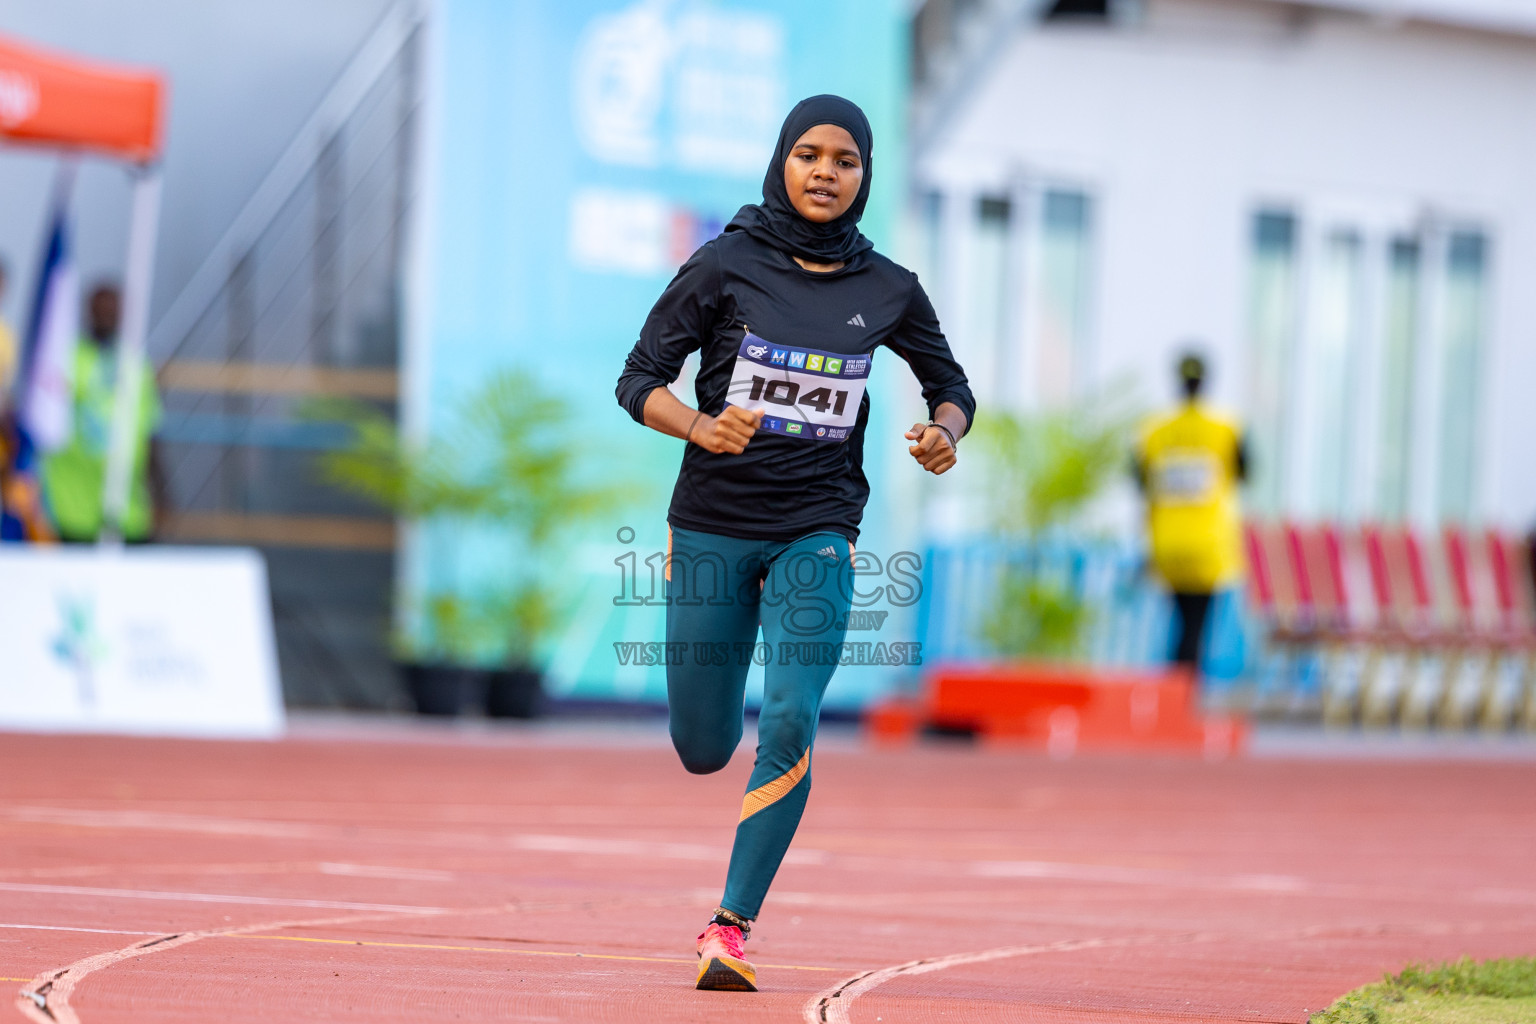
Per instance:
(74,478)
(1530,560)
(1189,462)
(8,351)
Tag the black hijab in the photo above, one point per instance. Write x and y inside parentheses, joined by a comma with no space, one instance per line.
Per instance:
(776,221)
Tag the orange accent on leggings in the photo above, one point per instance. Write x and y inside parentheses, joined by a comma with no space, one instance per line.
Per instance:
(770,793)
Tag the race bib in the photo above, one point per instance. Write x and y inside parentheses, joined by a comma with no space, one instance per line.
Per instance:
(1185,477)
(803,393)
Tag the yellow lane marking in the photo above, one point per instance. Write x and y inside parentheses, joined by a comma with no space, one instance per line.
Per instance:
(15,979)
(499,949)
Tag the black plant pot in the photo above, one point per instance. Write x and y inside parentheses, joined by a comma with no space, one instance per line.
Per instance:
(442,690)
(514,693)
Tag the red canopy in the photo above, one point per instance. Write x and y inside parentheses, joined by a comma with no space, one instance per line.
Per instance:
(60,101)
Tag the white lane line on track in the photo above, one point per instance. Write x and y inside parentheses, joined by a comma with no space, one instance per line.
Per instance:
(195,824)
(516,951)
(45,999)
(163,821)
(1134,876)
(169,822)
(245,868)
(834,1005)
(208,897)
(67,928)
(376,871)
(617,847)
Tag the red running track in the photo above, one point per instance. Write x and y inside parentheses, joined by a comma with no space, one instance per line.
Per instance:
(551,874)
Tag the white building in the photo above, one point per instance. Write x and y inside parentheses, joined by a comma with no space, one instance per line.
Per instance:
(1336,200)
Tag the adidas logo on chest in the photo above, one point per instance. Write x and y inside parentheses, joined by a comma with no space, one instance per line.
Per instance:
(857,321)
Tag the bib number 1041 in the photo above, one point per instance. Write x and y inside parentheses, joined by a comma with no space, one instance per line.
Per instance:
(787,392)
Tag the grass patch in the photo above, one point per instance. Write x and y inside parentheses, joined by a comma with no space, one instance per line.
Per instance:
(1464,992)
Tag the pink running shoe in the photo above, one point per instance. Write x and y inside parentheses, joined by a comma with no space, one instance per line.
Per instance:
(723,964)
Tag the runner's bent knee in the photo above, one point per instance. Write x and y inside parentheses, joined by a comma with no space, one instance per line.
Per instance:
(707,752)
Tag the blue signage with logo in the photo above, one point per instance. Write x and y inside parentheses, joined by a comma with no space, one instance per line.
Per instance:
(577,154)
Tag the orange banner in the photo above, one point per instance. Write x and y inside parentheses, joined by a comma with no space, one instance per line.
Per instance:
(62,101)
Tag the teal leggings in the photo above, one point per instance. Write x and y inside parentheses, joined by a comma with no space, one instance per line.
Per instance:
(719,590)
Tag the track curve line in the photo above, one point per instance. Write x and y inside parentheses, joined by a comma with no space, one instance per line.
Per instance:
(835,1005)
(45,999)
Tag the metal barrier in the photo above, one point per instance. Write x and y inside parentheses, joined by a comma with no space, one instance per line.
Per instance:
(1395,628)
(1366,627)
(301,299)
(1128,617)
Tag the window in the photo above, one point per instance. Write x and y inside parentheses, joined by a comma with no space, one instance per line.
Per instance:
(1011,274)
(930,236)
(1060,314)
(988,297)
(1460,367)
(1366,381)
(1272,328)
(1337,335)
(1398,380)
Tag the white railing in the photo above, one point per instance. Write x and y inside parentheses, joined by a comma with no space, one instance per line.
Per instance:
(372,61)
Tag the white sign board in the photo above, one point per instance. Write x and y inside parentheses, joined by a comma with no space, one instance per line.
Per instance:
(155,641)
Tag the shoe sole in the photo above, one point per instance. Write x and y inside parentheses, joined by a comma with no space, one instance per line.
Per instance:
(726,974)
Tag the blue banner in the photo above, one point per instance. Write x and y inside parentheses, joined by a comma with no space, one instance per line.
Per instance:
(580,152)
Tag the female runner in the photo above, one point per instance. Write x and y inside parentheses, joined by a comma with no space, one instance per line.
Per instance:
(787,306)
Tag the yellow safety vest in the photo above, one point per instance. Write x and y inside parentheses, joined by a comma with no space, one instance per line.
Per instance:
(8,359)
(74,477)
(1190,460)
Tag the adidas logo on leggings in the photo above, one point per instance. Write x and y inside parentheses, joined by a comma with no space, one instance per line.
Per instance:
(829,551)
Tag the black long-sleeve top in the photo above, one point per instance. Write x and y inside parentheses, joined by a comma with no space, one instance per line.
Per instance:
(782,486)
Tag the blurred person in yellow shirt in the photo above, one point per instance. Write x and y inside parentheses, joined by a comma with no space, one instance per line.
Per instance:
(74,477)
(1189,464)
(8,350)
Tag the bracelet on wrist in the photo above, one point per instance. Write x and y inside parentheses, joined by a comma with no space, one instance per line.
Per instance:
(689,436)
(953,443)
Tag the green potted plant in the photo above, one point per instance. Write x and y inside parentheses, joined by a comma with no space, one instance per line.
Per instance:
(515,688)
(1043,471)
(508,463)
(437,663)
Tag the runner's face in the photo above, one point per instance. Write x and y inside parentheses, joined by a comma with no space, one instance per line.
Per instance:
(823,173)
